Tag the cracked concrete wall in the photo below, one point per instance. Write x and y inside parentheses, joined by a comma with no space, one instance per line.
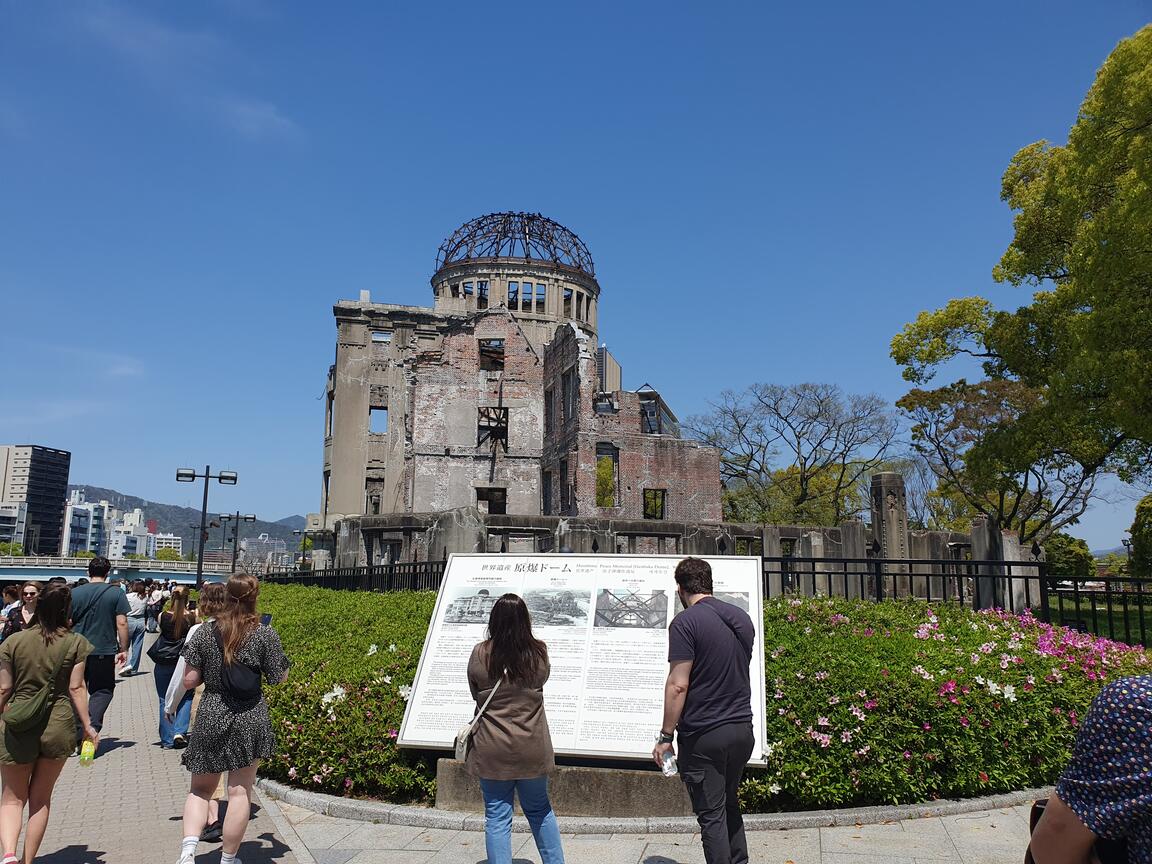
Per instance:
(687,470)
(450,389)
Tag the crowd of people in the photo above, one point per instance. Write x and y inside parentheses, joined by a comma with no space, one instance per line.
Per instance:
(61,650)
(62,645)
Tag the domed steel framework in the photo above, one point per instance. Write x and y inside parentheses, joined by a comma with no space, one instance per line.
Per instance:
(527,236)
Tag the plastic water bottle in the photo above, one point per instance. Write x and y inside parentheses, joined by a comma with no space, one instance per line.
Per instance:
(668,764)
(87,753)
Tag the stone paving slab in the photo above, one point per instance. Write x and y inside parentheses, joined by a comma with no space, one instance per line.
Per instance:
(126,807)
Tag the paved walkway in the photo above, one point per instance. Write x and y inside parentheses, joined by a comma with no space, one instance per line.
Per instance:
(987,837)
(126,808)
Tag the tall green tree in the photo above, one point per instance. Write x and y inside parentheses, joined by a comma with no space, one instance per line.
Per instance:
(1066,393)
(14,550)
(167,555)
(1068,556)
(1141,531)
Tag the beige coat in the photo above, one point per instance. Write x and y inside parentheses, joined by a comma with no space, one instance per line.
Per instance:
(511,741)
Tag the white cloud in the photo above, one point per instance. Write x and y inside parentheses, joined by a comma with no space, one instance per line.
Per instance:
(184,63)
(255,119)
(47,411)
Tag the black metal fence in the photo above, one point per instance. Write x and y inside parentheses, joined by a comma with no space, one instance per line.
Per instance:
(418,576)
(1118,608)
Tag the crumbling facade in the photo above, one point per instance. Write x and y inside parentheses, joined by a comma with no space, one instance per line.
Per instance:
(498,399)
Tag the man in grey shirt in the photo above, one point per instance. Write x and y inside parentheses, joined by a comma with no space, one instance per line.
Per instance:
(100,615)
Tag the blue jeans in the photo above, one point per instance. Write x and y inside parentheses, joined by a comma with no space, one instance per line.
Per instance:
(135,643)
(179,726)
(537,808)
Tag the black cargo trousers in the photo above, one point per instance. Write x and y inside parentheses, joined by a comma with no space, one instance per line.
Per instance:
(711,765)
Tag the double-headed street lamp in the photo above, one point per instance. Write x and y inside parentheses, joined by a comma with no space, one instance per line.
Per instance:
(189,475)
(237,518)
(305,550)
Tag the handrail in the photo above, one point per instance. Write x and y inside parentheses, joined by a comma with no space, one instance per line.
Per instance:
(117,563)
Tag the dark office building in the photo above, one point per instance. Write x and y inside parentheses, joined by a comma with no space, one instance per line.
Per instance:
(37,476)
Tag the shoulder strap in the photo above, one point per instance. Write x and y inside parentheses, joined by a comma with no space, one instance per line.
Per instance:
(484,707)
(92,603)
(727,624)
(60,663)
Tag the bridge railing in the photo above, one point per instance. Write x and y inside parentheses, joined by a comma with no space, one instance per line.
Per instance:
(416,576)
(60,562)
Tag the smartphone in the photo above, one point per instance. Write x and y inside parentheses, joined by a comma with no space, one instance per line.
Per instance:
(266,619)
(192,605)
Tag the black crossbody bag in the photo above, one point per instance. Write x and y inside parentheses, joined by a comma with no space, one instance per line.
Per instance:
(242,684)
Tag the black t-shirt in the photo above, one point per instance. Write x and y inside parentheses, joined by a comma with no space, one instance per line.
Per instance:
(717,637)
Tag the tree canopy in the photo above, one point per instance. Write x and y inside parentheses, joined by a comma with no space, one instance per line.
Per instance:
(1068,556)
(796,454)
(167,555)
(1141,531)
(1066,393)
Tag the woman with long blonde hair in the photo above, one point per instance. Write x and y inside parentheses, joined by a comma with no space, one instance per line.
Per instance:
(231,656)
(165,651)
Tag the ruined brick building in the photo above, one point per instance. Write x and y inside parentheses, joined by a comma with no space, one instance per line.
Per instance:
(497,401)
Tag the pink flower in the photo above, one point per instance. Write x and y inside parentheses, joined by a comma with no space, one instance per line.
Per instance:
(927,727)
(947,687)
(392,733)
(316,778)
(964,721)
(347,782)
(292,773)
(822,721)
(871,704)
(907,755)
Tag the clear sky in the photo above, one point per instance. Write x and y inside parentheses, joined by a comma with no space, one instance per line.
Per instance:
(769,192)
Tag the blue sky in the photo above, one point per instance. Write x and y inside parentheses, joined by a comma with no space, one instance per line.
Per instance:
(769,195)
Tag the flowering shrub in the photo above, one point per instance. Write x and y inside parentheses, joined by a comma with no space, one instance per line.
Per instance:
(867,703)
(900,702)
(354,658)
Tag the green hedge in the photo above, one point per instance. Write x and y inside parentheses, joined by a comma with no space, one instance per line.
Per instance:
(867,703)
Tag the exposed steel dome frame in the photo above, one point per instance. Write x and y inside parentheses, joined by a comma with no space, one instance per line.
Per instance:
(520,236)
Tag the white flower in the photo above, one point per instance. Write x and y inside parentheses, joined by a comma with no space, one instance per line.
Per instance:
(405,691)
(980,680)
(387,679)
(392,647)
(336,694)
(774,789)
(769,749)
(994,688)
(1009,692)
(372,649)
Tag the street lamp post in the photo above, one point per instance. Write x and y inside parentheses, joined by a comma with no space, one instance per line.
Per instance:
(237,519)
(189,475)
(304,547)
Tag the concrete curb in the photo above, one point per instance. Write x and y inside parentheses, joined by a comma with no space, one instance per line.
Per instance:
(284,829)
(424,817)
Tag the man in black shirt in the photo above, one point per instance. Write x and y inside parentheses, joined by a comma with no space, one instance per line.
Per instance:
(708,700)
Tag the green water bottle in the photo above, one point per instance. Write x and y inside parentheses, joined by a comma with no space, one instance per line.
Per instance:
(87,753)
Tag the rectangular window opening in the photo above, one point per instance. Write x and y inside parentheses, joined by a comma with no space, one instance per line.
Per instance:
(607,475)
(381,337)
(569,394)
(492,500)
(565,498)
(492,428)
(549,411)
(567,302)
(467,289)
(528,300)
(492,355)
(378,421)
(541,293)
(579,306)
(482,294)
(455,289)
(546,494)
(513,296)
(654,500)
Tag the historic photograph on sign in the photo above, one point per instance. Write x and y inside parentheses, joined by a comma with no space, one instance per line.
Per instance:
(473,605)
(558,607)
(736,598)
(623,607)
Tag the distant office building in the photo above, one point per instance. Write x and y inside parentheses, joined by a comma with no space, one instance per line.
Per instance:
(13,518)
(37,476)
(266,551)
(85,525)
(124,541)
(168,541)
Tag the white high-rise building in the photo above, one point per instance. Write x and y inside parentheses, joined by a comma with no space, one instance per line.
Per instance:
(169,541)
(86,525)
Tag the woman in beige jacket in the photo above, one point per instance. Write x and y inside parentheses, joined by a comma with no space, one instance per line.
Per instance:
(511,750)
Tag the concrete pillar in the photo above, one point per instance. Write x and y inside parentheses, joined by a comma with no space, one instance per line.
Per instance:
(890,528)
(987,590)
(815,574)
(854,544)
(350,419)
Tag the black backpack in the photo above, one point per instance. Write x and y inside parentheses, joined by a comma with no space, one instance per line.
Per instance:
(242,690)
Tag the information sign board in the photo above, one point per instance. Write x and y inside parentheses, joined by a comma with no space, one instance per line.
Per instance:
(605,619)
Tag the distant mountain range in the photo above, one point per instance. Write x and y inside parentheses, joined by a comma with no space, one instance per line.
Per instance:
(185,521)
